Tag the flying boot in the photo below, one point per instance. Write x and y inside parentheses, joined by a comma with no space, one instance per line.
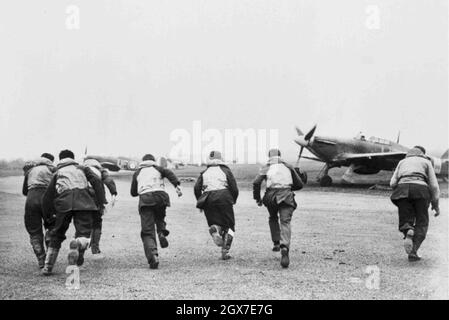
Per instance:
(163,238)
(95,241)
(37,243)
(77,248)
(228,236)
(83,244)
(50,260)
(417,241)
(215,231)
(408,241)
(151,254)
(285,260)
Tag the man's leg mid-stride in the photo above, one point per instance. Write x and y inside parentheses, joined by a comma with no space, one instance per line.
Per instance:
(83,229)
(273,222)
(161,226)
(97,223)
(33,225)
(285,215)
(57,236)
(148,235)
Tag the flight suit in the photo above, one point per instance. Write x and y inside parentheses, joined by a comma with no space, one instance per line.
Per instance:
(281,180)
(148,184)
(68,197)
(97,217)
(415,187)
(216,192)
(37,178)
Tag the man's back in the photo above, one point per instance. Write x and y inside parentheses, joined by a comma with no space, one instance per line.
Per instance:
(39,176)
(69,177)
(150,179)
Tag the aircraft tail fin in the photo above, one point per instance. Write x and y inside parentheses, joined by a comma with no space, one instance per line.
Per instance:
(445,155)
(399,136)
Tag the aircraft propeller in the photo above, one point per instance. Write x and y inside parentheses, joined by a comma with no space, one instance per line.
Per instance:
(310,133)
(304,140)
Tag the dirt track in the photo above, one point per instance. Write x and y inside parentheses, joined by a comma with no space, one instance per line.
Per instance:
(336,236)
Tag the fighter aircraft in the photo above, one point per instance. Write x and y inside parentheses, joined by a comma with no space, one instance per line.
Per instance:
(115,163)
(126,163)
(361,155)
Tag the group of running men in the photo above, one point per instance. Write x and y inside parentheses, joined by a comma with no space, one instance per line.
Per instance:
(57,195)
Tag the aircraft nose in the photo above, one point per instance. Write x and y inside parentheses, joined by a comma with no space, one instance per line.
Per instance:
(301,141)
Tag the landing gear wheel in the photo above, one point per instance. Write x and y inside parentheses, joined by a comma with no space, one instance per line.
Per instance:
(326,181)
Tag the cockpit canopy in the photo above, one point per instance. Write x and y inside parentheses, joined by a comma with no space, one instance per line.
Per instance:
(380,141)
(360,136)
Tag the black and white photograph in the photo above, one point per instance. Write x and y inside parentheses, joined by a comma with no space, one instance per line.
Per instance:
(224,155)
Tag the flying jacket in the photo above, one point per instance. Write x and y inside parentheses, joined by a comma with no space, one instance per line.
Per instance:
(148,184)
(415,170)
(216,185)
(103,174)
(38,174)
(69,190)
(281,179)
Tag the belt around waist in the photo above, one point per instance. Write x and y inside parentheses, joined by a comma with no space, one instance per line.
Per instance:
(279,188)
(209,190)
(413,177)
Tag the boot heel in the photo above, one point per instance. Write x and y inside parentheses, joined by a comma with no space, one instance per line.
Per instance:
(225,254)
(73,255)
(285,260)
(163,241)
(95,241)
(154,262)
(218,240)
(408,241)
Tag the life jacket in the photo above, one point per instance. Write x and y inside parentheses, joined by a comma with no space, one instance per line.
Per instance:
(41,174)
(413,169)
(149,178)
(69,176)
(278,174)
(95,166)
(214,179)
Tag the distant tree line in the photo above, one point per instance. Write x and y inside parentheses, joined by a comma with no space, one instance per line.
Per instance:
(15,164)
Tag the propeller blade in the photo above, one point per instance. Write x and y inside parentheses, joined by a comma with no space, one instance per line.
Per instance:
(310,133)
(306,138)
(300,152)
(299,156)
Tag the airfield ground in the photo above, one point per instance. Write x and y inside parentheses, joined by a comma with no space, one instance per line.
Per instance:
(339,234)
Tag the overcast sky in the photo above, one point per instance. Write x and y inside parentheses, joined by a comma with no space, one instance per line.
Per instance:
(136,70)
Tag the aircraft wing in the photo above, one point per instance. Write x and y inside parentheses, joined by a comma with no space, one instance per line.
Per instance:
(392,156)
(110,166)
(312,158)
